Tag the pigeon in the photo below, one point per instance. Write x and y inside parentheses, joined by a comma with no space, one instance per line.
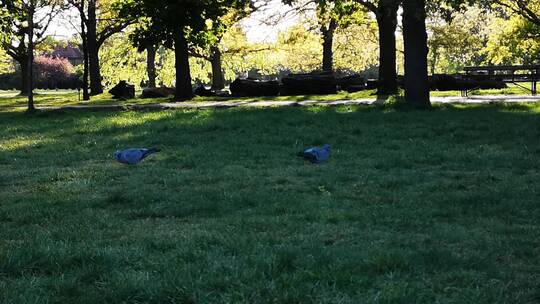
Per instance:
(133,156)
(316,154)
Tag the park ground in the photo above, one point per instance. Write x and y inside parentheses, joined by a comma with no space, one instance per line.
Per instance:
(439,206)
(63,98)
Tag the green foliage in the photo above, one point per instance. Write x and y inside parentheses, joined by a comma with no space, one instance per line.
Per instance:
(343,12)
(120,61)
(527,9)
(460,41)
(300,49)
(240,56)
(49,44)
(457,38)
(356,47)
(514,41)
(163,21)
(477,36)
(6,63)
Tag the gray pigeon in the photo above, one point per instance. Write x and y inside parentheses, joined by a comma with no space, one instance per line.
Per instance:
(316,154)
(133,156)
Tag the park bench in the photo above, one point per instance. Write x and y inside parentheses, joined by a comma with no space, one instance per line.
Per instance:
(515,74)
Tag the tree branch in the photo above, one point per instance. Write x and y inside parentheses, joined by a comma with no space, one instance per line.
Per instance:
(369,5)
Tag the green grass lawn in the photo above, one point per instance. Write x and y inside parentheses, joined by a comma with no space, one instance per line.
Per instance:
(70,98)
(440,206)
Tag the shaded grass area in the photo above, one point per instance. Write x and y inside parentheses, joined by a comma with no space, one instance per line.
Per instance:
(70,98)
(413,207)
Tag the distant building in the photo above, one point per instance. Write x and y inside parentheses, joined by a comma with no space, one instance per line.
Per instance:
(72,53)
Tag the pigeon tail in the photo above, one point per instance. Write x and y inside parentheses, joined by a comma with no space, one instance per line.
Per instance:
(151,151)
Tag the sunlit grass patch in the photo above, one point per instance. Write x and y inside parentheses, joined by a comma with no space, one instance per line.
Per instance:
(412,207)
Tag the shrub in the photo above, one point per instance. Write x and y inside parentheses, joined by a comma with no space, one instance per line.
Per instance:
(54,73)
(49,73)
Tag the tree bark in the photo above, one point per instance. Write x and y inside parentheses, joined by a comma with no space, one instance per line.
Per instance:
(328,44)
(23,63)
(416,52)
(151,65)
(218,80)
(184,90)
(86,94)
(434,60)
(30,62)
(93,49)
(387,24)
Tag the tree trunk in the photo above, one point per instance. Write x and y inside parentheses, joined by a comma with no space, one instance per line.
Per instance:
(86,94)
(416,52)
(184,90)
(23,63)
(218,80)
(387,23)
(151,65)
(93,49)
(328,43)
(328,55)
(30,62)
(433,62)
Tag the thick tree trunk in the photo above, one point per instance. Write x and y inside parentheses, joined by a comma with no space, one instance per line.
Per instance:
(328,56)
(416,52)
(151,65)
(328,44)
(93,49)
(184,90)
(86,94)
(387,23)
(218,80)
(23,63)
(30,62)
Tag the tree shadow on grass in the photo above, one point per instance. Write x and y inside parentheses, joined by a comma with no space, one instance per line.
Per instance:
(403,183)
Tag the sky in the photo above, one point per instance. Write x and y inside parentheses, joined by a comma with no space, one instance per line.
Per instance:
(256,26)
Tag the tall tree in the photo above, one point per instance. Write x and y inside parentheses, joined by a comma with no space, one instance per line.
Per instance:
(30,8)
(386,13)
(86,58)
(218,80)
(178,24)
(416,54)
(23,24)
(212,51)
(146,41)
(101,23)
(331,15)
(151,64)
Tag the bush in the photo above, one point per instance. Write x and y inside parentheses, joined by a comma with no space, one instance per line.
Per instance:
(54,73)
(10,81)
(49,73)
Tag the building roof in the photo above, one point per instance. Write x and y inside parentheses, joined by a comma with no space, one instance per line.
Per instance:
(68,52)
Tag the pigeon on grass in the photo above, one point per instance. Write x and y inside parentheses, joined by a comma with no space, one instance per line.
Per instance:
(316,154)
(133,156)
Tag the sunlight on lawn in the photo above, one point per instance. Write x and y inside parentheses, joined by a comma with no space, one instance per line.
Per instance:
(440,198)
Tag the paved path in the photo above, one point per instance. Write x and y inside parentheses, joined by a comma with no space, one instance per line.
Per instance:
(256,104)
